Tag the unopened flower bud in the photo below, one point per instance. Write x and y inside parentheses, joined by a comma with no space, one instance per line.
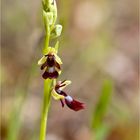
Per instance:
(48,17)
(56,32)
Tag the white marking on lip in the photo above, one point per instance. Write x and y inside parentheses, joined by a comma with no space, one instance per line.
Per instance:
(51,70)
(69,98)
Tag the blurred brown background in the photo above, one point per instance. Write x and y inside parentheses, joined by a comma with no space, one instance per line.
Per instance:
(99,42)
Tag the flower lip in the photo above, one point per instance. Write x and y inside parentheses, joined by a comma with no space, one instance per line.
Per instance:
(74,104)
(52,75)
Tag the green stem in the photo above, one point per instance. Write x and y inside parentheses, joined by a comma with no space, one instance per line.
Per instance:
(47,37)
(47,82)
(47,96)
(45,110)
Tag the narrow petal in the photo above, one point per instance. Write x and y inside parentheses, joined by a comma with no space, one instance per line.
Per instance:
(73,104)
(64,84)
(57,58)
(43,66)
(42,60)
(57,65)
(67,82)
(56,96)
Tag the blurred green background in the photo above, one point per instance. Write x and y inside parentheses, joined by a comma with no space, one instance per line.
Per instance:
(99,49)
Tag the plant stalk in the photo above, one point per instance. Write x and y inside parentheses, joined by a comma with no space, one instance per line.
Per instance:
(47,97)
(45,109)
(48,82)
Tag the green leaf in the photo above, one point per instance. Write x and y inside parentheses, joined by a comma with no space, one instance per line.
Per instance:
(102,132)
(15,118)
(102,105)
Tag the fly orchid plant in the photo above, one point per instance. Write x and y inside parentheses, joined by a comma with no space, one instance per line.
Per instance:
(51,63)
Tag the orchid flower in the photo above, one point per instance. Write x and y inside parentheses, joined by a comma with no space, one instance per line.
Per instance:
(51,64)
(59,94)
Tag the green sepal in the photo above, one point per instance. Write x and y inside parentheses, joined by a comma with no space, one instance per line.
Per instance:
(56,96)
(42,60)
